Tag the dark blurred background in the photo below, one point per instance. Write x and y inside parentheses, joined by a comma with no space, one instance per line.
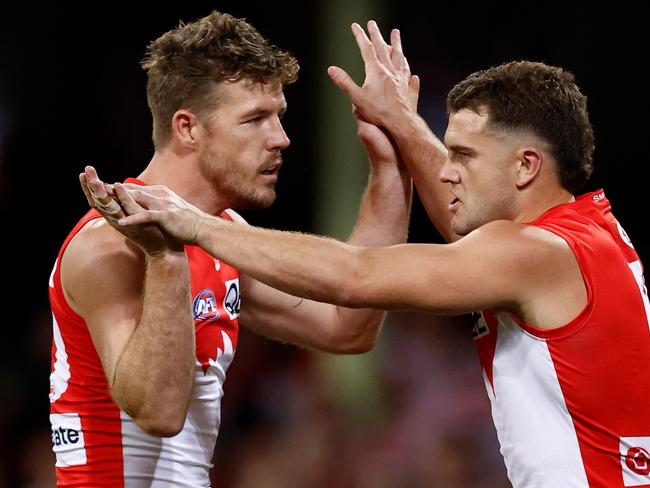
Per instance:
(412,413)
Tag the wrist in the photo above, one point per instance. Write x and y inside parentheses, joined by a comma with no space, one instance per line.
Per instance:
(207,228)
(405,125)
(168,258)
(387,174)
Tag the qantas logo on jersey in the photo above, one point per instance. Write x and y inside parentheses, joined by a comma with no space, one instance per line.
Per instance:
(232,300)
(635,460)
(480,326)
(205,305)
(68,439)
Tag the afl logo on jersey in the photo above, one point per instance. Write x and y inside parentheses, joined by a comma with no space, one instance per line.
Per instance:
(205,306)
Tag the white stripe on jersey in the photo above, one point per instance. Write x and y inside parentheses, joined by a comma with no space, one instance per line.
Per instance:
(185,459)
(533,424)
(61,369)
(637,271)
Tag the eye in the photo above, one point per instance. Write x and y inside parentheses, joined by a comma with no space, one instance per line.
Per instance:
(254,120)
(460,155)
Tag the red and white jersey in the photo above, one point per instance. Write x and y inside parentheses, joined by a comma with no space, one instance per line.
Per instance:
(571,404)
(98,445)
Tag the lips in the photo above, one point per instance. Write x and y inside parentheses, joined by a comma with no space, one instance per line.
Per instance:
(271,169)
(453,205)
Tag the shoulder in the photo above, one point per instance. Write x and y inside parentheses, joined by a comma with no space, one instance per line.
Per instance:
(521,251)
(514,237)
(100,263)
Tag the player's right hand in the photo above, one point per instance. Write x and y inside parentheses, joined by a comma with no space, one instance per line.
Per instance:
(102,197)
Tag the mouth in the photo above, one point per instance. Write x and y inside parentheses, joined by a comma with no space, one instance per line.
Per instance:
(271,169)
(269,174)
(454,204)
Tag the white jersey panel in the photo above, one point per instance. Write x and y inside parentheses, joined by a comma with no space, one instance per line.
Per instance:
(185,459)
(61,369)
(530,412)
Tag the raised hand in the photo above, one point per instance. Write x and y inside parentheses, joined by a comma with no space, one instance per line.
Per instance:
(389,89)
(159,205)
(378,143)
(106,200)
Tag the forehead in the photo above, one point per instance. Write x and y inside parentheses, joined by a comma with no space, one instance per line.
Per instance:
(465,126)
(245,95)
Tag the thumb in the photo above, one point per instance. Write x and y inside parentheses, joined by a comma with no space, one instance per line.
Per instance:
(343,81)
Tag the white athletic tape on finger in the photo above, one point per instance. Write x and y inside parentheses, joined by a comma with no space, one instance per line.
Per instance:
(111,208)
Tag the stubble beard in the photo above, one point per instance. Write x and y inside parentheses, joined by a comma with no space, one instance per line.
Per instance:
(236,187)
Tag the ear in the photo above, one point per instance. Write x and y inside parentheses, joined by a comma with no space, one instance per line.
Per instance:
(529,165)
(186,129)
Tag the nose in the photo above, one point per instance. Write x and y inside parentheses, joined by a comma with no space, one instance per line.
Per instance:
(278,138)
(448,174)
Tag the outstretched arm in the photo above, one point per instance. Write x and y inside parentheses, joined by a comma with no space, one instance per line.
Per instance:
(494,266)
(523,269)
(383,99)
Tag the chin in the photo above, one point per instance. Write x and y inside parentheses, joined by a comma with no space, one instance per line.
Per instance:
(257,201)
(461,228)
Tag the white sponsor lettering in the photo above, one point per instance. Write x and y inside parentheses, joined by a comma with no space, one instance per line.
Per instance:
(68,439)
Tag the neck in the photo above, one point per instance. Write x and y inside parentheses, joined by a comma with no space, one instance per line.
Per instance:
(538,202)
(181,174)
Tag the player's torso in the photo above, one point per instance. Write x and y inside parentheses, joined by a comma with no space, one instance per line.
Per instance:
(566,402)
(95,443)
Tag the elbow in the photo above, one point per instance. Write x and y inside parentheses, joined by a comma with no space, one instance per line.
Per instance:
(160,426)
(155,418)
(361,345)
(348,339)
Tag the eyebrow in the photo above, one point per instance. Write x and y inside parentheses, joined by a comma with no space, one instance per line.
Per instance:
(460,148)
(259,111)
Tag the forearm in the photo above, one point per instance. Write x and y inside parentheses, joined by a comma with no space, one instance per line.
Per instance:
(289,261)
(383,220)
(385,208)
(154,374)
(424,155)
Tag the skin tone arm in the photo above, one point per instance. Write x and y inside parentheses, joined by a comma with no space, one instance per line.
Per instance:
(383,220)
(503,265)
(383,100)
(136,303)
